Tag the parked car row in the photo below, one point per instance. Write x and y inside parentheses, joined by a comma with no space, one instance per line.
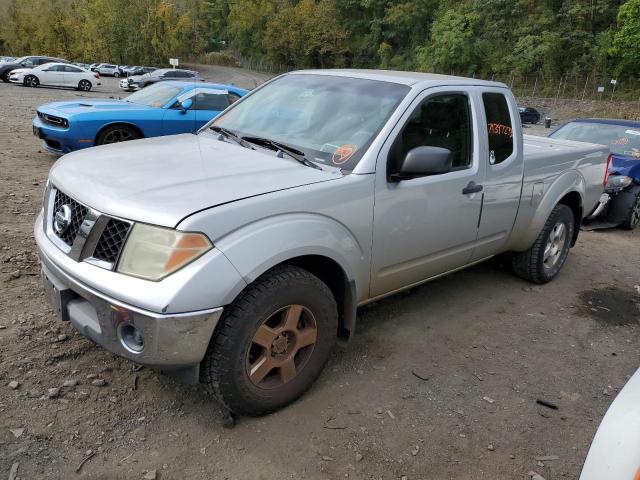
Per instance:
(32,71)
(136,82)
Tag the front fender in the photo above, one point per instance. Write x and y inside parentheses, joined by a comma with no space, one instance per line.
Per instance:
(537,206)
(255,248)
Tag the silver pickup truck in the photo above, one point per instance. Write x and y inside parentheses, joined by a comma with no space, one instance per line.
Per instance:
(239,255)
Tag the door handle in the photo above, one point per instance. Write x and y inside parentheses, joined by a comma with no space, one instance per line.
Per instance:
(472,187)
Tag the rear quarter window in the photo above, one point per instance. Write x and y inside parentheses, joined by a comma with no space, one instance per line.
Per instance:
(499,127)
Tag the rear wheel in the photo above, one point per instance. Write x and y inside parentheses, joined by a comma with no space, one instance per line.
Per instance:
(542,262)
(272,342)
(31,81)
(117,133)
(84,85)
(633,218)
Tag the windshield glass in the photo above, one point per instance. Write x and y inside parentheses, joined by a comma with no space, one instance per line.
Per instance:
(156,95)
(621,139)
(331,119)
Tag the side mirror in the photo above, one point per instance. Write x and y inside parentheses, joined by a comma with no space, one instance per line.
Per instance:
(422,161)
(186,105)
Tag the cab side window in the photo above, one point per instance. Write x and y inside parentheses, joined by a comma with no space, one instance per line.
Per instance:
(210,101)
(440,121)
(499,127)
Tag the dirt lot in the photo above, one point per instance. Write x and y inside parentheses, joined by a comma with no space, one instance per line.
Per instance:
(440,382)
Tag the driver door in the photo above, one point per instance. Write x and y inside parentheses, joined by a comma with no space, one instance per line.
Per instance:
(427,225)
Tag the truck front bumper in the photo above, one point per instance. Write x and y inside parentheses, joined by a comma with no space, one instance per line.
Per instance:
(170,341)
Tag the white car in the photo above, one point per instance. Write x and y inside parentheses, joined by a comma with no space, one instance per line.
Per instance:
(108,69)
(615,451)
(58,74)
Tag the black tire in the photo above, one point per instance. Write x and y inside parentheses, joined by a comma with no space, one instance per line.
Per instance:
(227,368)
(116,134)
(633,217)
(116,74)
(532,264)
(5,76)
(84,85)
(31,81)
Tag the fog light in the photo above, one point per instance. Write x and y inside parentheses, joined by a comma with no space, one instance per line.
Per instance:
(131,338)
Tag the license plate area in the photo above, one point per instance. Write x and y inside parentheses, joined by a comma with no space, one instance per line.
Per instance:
(58,296)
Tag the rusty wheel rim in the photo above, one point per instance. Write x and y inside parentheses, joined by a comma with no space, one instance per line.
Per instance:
(281,347)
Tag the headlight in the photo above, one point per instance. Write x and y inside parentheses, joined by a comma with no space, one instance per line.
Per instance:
(618,182)
(153,253)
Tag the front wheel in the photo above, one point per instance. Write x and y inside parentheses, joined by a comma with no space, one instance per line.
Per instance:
(84,85)
(543,261)
(31,81)
(272,343)
(116,133)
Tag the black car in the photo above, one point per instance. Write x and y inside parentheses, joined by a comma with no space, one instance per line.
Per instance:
(139,70)
(529,115)
(136,82)
(25,62)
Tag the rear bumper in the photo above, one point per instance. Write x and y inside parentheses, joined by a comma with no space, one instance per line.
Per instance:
(171,341)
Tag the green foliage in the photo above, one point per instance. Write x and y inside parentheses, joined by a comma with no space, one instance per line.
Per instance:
(626,40)
(551,38)
(453,46)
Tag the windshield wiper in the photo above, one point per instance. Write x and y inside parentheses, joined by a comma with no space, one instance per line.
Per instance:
(229,134)
(292,152)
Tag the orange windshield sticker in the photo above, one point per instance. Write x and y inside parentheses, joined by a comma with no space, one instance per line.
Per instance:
(499,129)
(343,153)
(637,477)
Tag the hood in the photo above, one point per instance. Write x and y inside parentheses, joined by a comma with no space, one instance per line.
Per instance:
(164,179)
(21,70)
(625,165)
(88,106)
(9,66)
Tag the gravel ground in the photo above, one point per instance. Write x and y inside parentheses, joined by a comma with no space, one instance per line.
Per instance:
(439,382)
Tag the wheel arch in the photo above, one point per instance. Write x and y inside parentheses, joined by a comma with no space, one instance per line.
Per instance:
(118,123)
(573,200)
(316,243)
(568,189)
(343,290)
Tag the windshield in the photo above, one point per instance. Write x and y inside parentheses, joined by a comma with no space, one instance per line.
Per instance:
(621,139)
(331,119)
(156,95)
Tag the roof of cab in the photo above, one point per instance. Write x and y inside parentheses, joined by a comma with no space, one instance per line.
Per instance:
(404,78)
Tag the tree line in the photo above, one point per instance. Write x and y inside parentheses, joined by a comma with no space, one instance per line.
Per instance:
(470,37)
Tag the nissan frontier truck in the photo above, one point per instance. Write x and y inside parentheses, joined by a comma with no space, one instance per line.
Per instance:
(239,255)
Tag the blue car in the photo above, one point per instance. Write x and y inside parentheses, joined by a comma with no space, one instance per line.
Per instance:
(620,204)
(166,108)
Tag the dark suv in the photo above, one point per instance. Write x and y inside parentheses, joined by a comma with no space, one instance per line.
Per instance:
(135,82)
(26,62)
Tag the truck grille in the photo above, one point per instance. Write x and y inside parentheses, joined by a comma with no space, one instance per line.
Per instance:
(82,232)
(78,213)
(111,241)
